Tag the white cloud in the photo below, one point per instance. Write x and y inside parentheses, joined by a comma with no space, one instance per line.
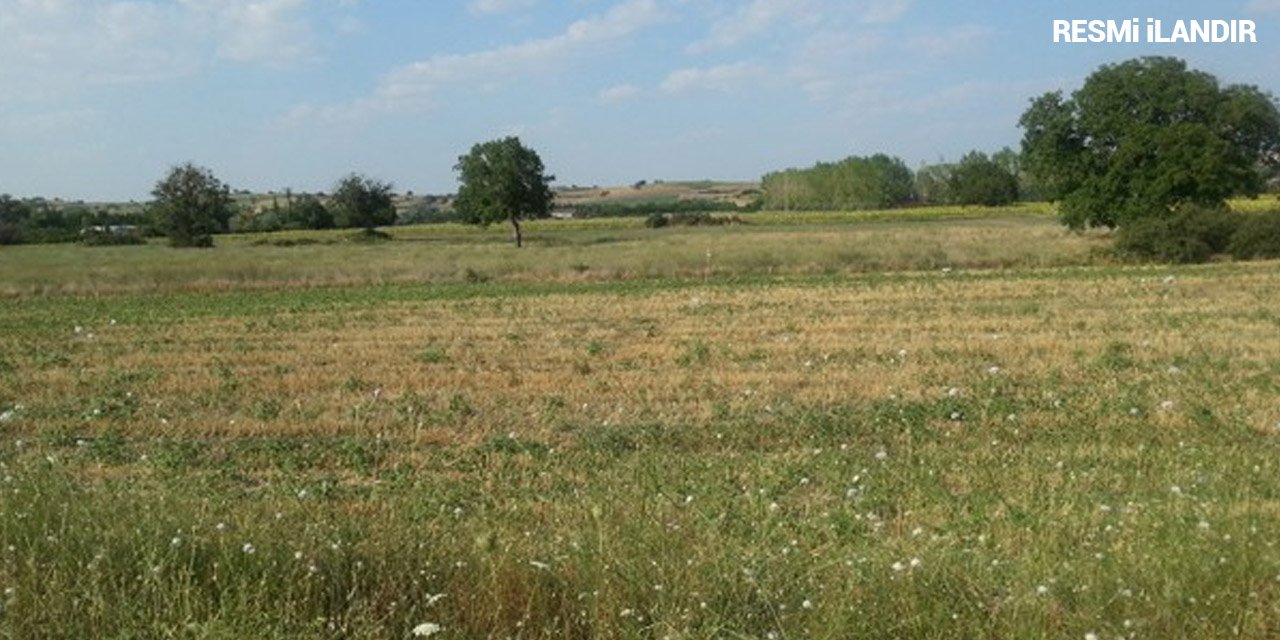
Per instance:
(951,41)
(618,93)
(884,11)
(50,47)
(753,18)
(759,19)
(494,7)
(45,123)
(276,32)
(726,77)
(417,85)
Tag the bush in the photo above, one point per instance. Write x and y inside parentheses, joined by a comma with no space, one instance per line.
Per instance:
(1190,234)
(1258,237)
(656,221)
(109,237)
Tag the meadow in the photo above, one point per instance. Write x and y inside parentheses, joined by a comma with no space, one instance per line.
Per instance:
(953,425)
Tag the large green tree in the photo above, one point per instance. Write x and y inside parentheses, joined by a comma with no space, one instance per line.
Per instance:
(1144,136)
(361,201)
(191,205)
(503,180)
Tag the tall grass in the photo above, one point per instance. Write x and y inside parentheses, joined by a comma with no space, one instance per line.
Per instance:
(558,251)
(1053,453)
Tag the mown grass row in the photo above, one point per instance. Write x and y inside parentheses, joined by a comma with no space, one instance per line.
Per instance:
(991,455)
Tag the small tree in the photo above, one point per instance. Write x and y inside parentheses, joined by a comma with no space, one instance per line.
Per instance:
(360,201)
(933,183)
(191,205)
(503,180)
(978,179)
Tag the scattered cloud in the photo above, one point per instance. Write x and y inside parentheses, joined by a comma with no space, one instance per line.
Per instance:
(618,93)
(54,46)
(752,19)
(45,123)
(274,32)
(884,11)
(496,7)
(417,85)
(726,77)
(1263,6)
(951,41)
(760,19)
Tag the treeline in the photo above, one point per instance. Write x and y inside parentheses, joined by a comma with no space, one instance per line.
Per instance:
(884,182)
(293,211)
(41,221)
(37,220)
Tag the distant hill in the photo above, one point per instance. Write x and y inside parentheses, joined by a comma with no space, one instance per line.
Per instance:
(739,194)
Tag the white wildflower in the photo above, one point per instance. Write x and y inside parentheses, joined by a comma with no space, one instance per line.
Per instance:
(427,629)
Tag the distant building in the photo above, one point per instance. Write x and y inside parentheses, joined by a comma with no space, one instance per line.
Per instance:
(111,229)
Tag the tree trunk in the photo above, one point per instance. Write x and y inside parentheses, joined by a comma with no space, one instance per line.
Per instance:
(519,239)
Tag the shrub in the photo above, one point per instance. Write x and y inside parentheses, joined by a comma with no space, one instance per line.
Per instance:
(1258,237)
(109,237)
(656,221)
(1189,234)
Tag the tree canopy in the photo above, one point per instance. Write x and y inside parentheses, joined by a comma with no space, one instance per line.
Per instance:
(874,182)
(503,180)
(1144,136)
(361,201)
(191,205)
(980,179)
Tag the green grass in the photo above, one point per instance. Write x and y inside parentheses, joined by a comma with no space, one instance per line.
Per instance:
(769,244)
(1035,451)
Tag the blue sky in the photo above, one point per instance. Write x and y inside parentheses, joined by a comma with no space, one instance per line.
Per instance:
(100,97)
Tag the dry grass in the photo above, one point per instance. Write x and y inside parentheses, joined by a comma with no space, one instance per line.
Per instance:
(1029,452)
(570,251)
(683,354)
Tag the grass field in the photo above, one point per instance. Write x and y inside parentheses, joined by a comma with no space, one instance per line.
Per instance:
(768,244)
(216,445)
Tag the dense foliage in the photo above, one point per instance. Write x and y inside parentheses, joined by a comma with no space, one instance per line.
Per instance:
(361,201)
(191,205)
(1144,136)
(1258,237)
(503,180)
(1191,233)
(979,180)
(873,182)
(298,211)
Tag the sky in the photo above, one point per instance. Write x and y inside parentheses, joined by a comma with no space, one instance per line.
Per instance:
(99,98)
